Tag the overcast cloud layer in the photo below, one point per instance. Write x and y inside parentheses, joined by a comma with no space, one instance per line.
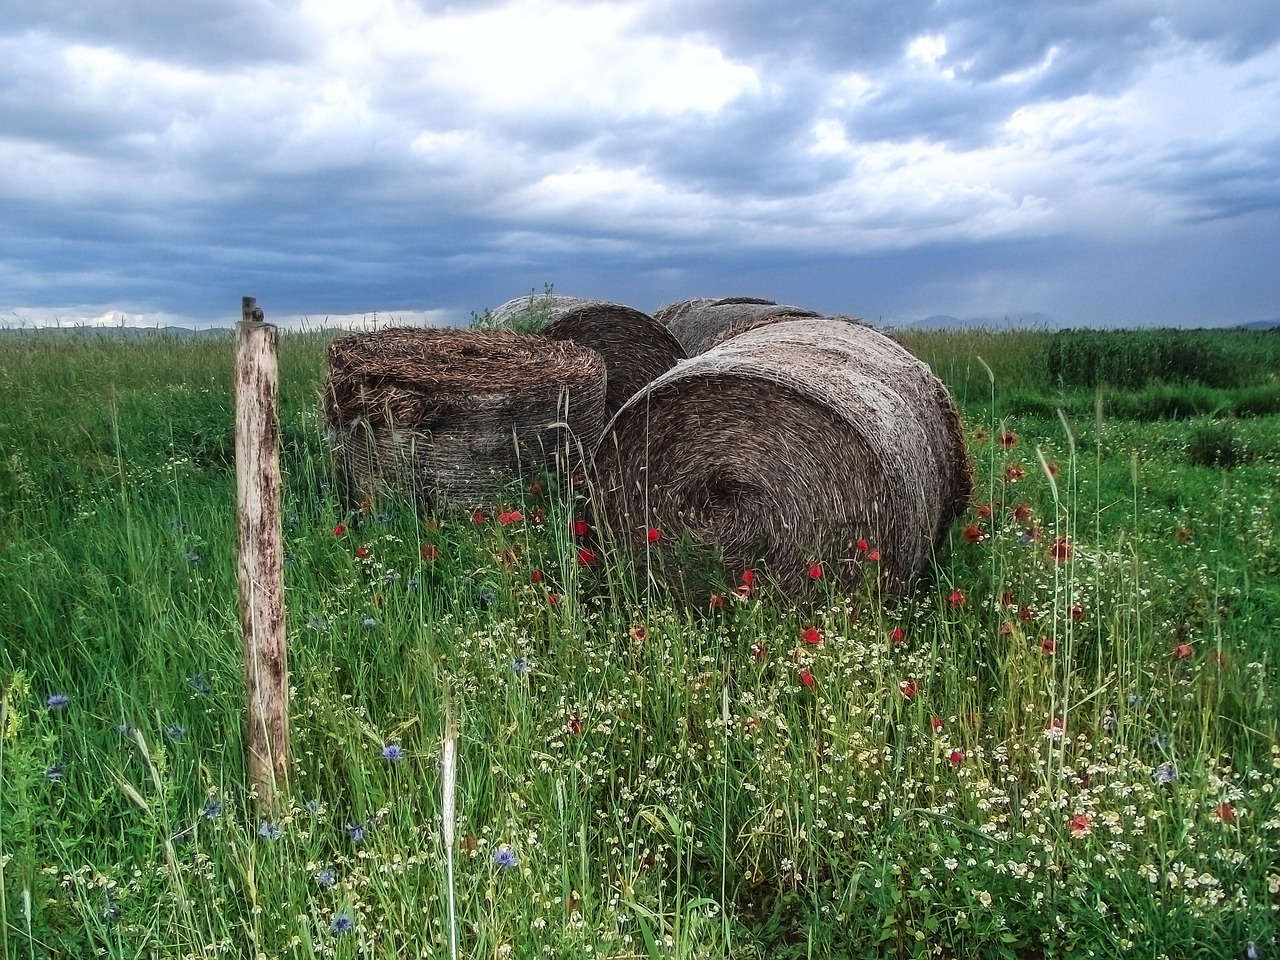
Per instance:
(1113,161)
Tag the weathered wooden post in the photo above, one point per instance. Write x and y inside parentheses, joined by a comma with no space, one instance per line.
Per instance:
(261,558)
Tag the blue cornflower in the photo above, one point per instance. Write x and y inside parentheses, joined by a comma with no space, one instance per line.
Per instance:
(505,858)
(487,596)
(312,805)
(199,684)
(340,924)
(175,731)
(391,577)
(326,878)
(1166,773)
(316,623)
(413,583)
(1159,742)
(356,832)
(1133,700)
(392,753)
(521,666)
(193,558)
(1110,724)
(211,810)
(269,831)
(369,623)
(383,518)
(126,729)
(55,772)
(57,701)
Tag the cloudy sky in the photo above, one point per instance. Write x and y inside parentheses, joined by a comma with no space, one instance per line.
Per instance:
(1085,162)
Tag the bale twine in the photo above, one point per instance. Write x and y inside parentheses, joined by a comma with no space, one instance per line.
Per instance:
(788,445)
(453,413)
(700,324)
(636,348)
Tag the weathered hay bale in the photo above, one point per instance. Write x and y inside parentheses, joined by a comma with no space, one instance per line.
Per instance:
(787,445)
(453,413)
(636,348)
(700,324)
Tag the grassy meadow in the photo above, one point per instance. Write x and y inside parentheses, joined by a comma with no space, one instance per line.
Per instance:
(1064,742)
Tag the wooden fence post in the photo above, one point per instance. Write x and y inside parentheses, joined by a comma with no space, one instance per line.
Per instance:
(261,557)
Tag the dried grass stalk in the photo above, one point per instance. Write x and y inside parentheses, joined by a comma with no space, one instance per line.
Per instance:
(700,324)
(636,348)
(786,446)
(452,413)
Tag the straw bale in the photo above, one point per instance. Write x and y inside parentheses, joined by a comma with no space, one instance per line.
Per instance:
(701,323)
(786,446)
(453,413)
(636,348)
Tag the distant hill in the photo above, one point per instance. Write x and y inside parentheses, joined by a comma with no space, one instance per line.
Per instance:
(121,332)
(1261,325)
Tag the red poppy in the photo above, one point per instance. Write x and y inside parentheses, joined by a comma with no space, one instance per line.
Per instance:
(1080,825)
(936,722)
(1014,473)
(536,490)
(586,557)
(862,545)
(907,688)
(742,591)
(535,575)
(815,571)
(984,511)
(1008,439)
(654,535)
(362,552)
(1055,729)
(639,632)
(1060,550)
(479,516)
(811,635)
(430,552)
(580,528)
(972,534)
(956,757)
(1021,513)
(339,530)
(748,577)
(1026,614)
(957,598)
(806,676)
(759,652)
(1076,612)
(717,601)
(575,725)
(508,517)
(1182,651)
(897,636)
(873,556)
(1006,629)
(1226,812)
(1048,646)
(552,599)
(1008,598)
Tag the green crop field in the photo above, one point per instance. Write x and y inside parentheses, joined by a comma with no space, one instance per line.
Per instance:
(1063,742)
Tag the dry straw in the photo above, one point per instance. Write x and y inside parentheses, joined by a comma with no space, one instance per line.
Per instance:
(637,349)
(787,445)
(700,324)
(453,413)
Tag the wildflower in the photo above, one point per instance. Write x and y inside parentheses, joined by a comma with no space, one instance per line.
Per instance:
(862,545)
(984,511)
(1029,536)
(742,591)
(505,858)
(972,534)
(211,810)
(1133,699)
(1080,825)
(193,558)
(815,571)
(1182,651)
(1008,440)
(369,623)
(1060,550)
(199,684)
(126,729)
(873,556)
(981,435)
(897,636)
(508,517)
(57,701)
(956,758)
(1048,646)
(936,723)
(326,878)
(1225,812)
(575,725)
(716,601)
(1166,774)
(806,676)
(1021,513)
(521,665)
(811,635)
(535,575)
(1026,614)
(269,831)
(1006,629)
(430,552)
(175,732)
(1159,742)
(748,577)
(362,552)
(487,597)
(553,599)
(316,623)
(55,772)
(340,924)
(1076,612)
(392,753)
(1013,473)
(654,535)
(1055,729)
(340,530)
(957,598)
(586,557)
(581,528)
(1183,534)
(759,652)
(479,516)
(908,688)
(1110,724)
(984,898)
(639,632)
(356,832)
(1008,598)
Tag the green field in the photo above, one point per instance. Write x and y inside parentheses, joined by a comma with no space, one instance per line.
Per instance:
(1063,742)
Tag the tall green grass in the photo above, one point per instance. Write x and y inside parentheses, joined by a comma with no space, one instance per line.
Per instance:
(1064,740)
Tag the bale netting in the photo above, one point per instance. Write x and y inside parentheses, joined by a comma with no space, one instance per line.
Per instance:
(636,348)
(700,324)
(452,414)
(787,446)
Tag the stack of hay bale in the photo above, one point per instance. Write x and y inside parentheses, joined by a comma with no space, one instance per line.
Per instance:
(783,437)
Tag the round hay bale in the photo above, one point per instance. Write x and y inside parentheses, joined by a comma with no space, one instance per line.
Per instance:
(700,324)
(786,446)
(636,348)
(453,413)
